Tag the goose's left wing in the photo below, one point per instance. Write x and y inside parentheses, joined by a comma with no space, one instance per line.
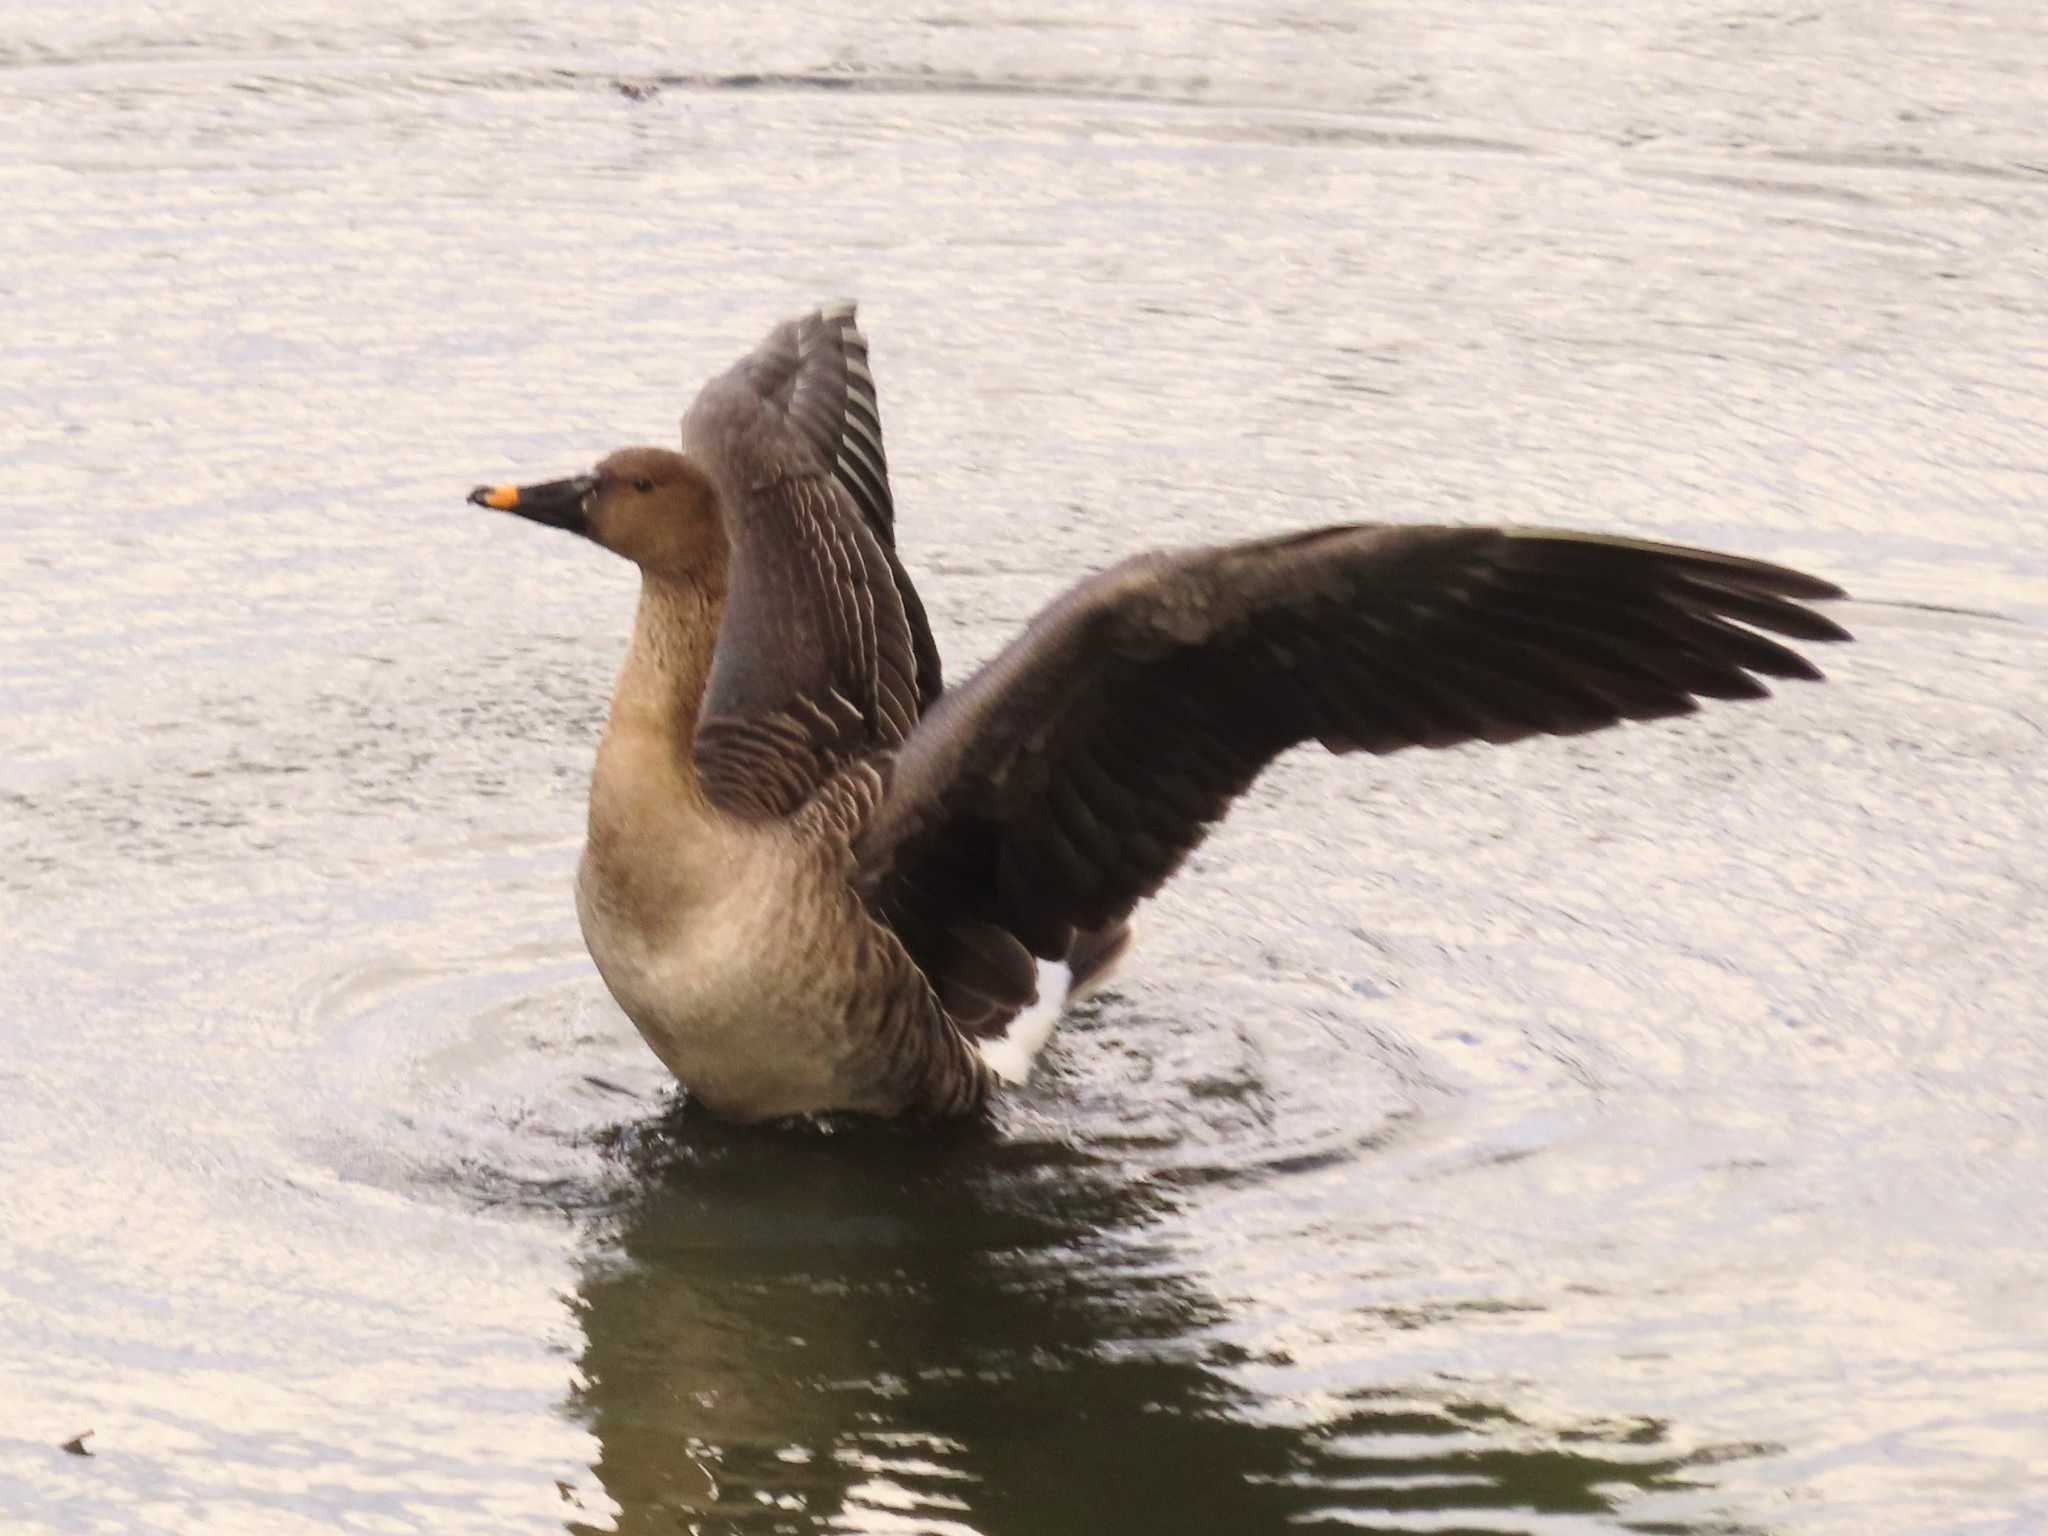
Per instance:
(824,653)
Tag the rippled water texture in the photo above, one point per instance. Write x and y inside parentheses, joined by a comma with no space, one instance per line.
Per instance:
(1642,1133)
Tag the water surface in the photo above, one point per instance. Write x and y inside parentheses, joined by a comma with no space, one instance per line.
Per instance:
(1639,1133)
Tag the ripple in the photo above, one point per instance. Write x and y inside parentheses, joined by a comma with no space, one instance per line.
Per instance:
(492,1079)
(1244,1082)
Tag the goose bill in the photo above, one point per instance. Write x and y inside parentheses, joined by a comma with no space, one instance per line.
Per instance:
(556,503)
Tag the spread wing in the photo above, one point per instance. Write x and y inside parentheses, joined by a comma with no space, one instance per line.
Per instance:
(824,652)
(1068,778)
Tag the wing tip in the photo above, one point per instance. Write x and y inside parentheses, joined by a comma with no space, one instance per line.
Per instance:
(841,317)
(1702,564)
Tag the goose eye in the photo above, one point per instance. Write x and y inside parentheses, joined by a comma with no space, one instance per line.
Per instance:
(643,485)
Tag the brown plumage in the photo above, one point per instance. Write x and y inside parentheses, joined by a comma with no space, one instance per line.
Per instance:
(814,878)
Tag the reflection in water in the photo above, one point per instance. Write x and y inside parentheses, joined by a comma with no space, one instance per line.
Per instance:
(859,1329)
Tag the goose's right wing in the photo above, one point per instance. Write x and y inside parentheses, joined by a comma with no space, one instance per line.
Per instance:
(1069,777)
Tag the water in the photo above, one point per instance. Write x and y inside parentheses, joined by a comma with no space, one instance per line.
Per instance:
(1640,1133)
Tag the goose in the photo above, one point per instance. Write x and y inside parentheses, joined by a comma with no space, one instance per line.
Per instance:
(818,880)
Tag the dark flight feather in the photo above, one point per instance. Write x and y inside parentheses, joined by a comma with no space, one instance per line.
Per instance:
(1070,777)
(824,652)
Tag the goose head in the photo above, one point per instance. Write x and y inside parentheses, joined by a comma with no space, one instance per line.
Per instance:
(652,505)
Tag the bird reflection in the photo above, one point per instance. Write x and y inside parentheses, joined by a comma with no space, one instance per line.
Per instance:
(787,1333)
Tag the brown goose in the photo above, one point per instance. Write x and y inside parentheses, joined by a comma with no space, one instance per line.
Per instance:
(815,881)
